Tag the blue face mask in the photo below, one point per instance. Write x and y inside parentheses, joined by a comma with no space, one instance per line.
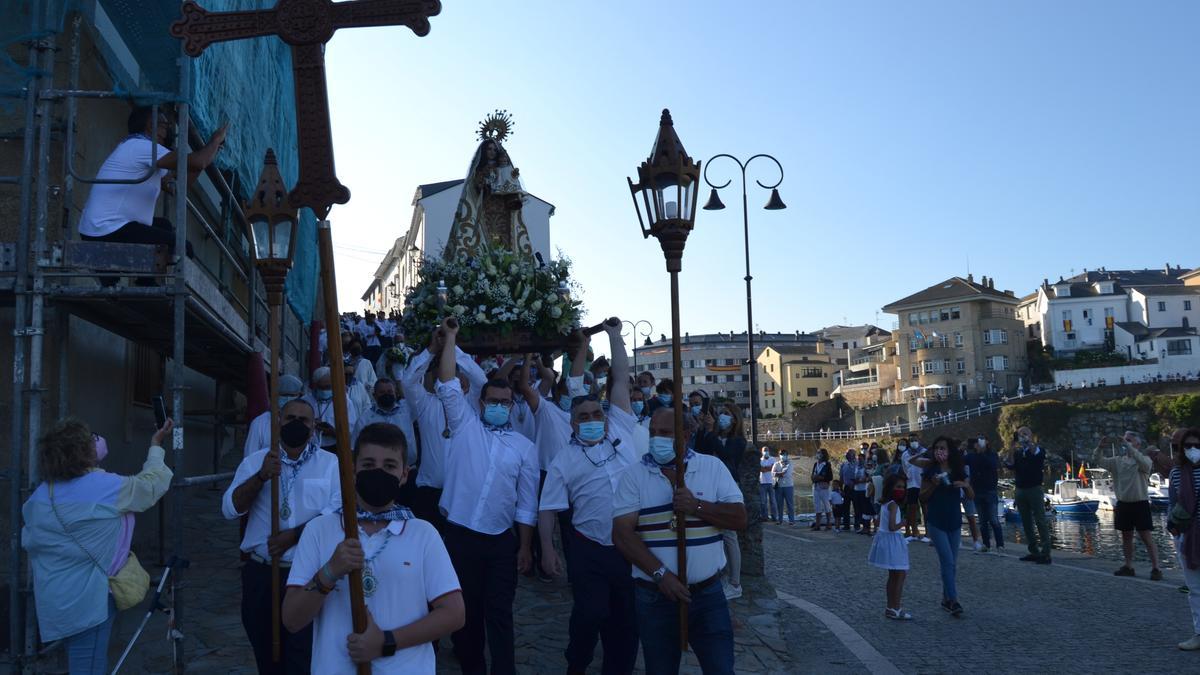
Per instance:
(662,449)
(591,432)
(696,410)
(724,420)
(495,414)
(637,406)
(666,399)
(565,403)
(324,394)
(647,392)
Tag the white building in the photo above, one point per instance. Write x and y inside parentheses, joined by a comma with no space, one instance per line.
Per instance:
(1080,313)
(1165,306)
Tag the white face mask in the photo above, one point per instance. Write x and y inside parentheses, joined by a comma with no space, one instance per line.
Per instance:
(1193,455)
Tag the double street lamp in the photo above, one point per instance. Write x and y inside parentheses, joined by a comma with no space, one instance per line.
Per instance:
(773,204)
(634,333)
(272,224)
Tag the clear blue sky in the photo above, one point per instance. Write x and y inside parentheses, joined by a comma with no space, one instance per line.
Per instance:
(1032,138)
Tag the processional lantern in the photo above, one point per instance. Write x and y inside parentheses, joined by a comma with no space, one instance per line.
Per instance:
(272,224)
(665,194)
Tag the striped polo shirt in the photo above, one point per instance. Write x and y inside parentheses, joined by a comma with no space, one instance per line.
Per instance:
(643,489)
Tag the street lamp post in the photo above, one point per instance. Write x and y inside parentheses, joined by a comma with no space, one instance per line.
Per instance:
(773,204)
(666,186)
(273,229)
(633,336)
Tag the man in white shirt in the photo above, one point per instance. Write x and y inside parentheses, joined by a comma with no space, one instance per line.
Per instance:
(491,483)
(364,369)
(258,434)
(914,459)
(432,423)
(766,484)
(124,212)
(644,512)
(583,477)
(388,409)
(412,595)
(308,484)
(322,391)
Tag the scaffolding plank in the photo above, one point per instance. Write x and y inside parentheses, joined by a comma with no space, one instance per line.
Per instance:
(113,257)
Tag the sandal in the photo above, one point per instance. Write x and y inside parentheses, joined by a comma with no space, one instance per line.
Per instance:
(897,614)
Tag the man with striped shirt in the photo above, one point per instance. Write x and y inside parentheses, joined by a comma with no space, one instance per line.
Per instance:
(643,531)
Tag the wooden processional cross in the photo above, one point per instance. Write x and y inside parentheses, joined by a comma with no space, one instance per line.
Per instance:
(307,25)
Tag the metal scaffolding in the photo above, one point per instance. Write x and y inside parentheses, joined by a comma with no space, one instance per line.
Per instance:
(45,277)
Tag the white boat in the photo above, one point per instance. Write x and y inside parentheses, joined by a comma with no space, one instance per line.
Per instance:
(1159,492)
(1100,488)
(1066,499)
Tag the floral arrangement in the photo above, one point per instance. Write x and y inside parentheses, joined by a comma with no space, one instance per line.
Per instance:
(400,354)
(494,295)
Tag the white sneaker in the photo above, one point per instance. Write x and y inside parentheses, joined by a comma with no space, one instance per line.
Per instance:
(910,539)
(978,546)
(1190,645)
(926,540)
(733,592)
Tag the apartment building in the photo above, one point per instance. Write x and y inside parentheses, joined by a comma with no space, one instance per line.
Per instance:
(958,338)
(793,373)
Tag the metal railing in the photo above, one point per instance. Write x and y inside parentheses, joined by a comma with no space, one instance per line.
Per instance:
(892,429)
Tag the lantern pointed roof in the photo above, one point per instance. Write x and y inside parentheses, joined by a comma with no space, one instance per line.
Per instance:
(668,149)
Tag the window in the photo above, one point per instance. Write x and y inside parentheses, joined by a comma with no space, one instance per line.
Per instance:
(955,313)
(943,340)
(1162,306)
(912,318)
(916,370)
(997,363)
(1187,305)
(944,313)
(960,366)
(995,336)
(913,343)
(946,365)
(1179,347)
(933,316)
(958,339)
(811,372)
(811,392)
(932,366)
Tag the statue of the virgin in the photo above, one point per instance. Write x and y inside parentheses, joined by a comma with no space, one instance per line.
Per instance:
(489,210)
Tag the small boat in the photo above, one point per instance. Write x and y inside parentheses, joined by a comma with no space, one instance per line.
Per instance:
(1065,500)
(1159,492)
(1100,488)
(1008,508)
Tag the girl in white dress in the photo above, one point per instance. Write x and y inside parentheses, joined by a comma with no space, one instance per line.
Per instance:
(889,550)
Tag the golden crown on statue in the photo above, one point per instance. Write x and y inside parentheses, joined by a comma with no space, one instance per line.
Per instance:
(496,126)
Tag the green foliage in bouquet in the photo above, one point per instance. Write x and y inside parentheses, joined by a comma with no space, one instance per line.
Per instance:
(494,294)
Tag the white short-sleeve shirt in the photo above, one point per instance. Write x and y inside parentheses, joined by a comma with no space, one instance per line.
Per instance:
(412,570)
(110,206)
(586,478)
(644,490)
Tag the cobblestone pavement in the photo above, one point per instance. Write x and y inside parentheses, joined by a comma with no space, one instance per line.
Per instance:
(215,642)
(1069,617)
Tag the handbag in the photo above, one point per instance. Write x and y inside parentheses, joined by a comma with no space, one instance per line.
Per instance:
(1180,516)
(129,585)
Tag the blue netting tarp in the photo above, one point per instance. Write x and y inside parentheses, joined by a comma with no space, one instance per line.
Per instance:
(247,83)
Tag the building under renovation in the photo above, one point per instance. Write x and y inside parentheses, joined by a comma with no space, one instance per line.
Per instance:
(191,329)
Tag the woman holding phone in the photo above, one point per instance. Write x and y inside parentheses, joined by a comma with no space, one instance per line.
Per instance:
(943,485)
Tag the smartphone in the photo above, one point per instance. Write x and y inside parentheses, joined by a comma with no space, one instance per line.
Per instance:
(160,412)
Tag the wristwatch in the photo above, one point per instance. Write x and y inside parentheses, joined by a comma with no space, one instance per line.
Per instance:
(389,644)
(659,574)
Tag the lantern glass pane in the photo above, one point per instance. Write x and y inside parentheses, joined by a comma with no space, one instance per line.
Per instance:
(283,240)
(261,229)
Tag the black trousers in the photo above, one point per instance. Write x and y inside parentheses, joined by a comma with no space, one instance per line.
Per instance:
(161,232)
(848,496)
(295,649)
(486,565)
(602,590)
(425,507)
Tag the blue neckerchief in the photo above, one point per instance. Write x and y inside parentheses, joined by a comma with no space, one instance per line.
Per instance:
(309,451)
(503,428)
(397,512)
(649,461)
(379,411)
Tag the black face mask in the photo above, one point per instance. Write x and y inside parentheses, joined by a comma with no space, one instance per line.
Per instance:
(294,434)
(386,401)
(376,487)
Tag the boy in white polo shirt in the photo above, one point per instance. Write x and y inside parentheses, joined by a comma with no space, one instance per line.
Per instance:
(643,520)
(412,594)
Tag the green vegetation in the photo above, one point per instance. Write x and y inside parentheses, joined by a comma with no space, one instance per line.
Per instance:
(1049,418)
(800,403)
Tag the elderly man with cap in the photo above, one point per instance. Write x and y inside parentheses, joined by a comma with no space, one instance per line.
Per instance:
(258,435)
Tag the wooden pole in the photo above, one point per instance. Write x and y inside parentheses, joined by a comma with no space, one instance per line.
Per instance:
(680,454)
(358,604)
(275,299)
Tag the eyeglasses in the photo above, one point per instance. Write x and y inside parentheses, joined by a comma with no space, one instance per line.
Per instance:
(495,401)
(602,462)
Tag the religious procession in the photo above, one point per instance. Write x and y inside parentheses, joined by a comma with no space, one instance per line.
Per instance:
(226,457)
